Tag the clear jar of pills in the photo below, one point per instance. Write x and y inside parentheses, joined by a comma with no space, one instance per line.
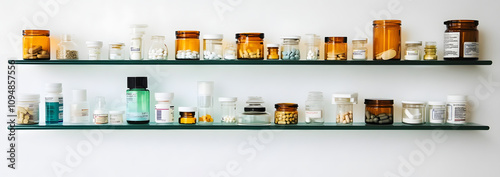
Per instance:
(67,49)
(250,46)
(36,44)
(286,113)
(94,49)
(27,108)
(290,48)
(158,49)
(230,51)
(379,111)
(436,112)
(273,51)
(359,49)
(413,50)
(312,42)
(430,51)
(336,48)
(212,46)
(413,112)
(344,107)
(116,51)
(228,110)
(187,115)
(187,45)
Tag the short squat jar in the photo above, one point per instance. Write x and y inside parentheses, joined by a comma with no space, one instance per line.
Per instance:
(336,48)
(212,47)
(187,115)
(430,51)
(255,113)
(413,50)
(436,112)
(187,45)
(286,113)
(290,48)
(379,111)
(158,49)
(273,51)
(228,110)
(413,112)
(344,104)
(94,48)
(359,49)
(250,46)
(116,51)
(28,108)
(36,44)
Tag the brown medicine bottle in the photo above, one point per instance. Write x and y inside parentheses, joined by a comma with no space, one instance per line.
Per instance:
(461,40)
(36,44)
(387,40)
(187,45)
(335,48)
(250,46)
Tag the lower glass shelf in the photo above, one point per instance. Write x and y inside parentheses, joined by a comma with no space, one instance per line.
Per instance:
(218,126)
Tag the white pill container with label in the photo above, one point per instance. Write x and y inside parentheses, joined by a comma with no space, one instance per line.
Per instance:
(456,107)
(436,112)
(413,50)
(164,110)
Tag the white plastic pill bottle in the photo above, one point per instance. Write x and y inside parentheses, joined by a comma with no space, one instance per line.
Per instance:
(456,107)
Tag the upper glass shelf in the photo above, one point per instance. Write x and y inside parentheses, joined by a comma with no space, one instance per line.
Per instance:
(243,62)
(218,126)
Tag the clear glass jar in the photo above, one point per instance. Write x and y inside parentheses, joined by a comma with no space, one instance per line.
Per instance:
(67,49)
(286,113)
(461,40)
(116,51)
(228,110)
(436,112)
(413,112)
(254,113)
(158,49)
(205,102)
(413,50)
(344,107)
(94,49)
(430,51)
(312,42)
(290,49)
(230,51)
(335,48)
(273,51)
(379,111)
(138,30)
(359,49)
(212,47)
(36,44)
(456,108)
(27,108)
(187,45)
(314,108)
(187,115)
(387,40)
(250,46)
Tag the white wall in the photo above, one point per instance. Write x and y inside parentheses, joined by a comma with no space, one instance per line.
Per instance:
(258,153)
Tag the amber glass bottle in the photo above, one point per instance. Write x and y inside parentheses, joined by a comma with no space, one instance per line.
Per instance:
(36,44)
(387,40)
(187,45)
(461,40)
(273,51)
(286,113)
(336,48)
(379,111)
(250,46)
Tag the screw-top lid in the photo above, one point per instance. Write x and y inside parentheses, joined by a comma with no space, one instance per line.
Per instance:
(315,95)
(412,102)
(228,99)
(260,35)
(213,36)
(97,44)
(284,105)
(255,104)
(414,42)
(80,95)
(137,82)
(164,96)
(379,101)
(434,103)
(272,45)
(187,109)
(116,43)
(205,88)
(345,98)
(457,98)
(360,39)
(66,37)
(291,37)
(53,87)
(28,97)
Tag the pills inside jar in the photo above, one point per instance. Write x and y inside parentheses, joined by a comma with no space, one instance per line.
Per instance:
(286,113)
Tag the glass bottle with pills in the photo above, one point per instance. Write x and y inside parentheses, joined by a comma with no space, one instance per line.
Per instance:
(187,115)
(36,44)
(250,46)
(212,47)
(335,48)
(187,45)
(273,51)
(290,48)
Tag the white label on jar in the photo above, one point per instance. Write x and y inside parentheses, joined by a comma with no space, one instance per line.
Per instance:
(84,112)
(313,114)
(452,45)
(135,49)
(165,115)
(411,55)
(101,118)
(116,118)
(436,115)
(61,109)
(457,112)
(471,49)
(358,54)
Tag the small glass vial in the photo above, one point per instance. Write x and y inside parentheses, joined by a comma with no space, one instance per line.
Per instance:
(116,51)
(273,51)
(290,48)
(456,107)
(230,51)
(67,49)
(379,111)
(286,113)
(36,44)
(314,108)
(250,46)
(164,110)
(430,51)
(187,45)
(138,31)
(344,107)
(158,49)
(228,110)
(336,48)
(101,114)
(359,49)
(413,50)
(436,112)
(413,112)
(212,46)
(94,49)
(187,115)
(116,117)
(312,42)
(255,113)
(28,108)
(205,102)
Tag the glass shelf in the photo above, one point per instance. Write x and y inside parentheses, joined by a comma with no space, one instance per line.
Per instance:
(218,126)
(243,62)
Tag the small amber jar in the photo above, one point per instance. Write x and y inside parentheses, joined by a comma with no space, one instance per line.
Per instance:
(461,40)
(187,115)
(187,45)
(379,111)
(36,44)
(273,51)
(336,48)
(250,46)
(387,40)
(286,113)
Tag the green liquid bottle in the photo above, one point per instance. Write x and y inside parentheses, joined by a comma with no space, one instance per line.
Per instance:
(137,100)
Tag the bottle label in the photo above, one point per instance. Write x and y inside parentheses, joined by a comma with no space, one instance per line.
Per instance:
(61,109)
(101,118)
(437,115)
(451,45)
(313,114)
(411,55)
(457,112)
(471,49)
(358,54)
(115,119)
(84,112)
(165,115)
(52,112)
(137,106)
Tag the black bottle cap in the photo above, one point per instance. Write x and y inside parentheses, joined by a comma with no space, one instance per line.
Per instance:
(137,82)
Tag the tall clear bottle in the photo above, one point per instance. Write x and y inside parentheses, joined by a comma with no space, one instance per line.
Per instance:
(79,107)
(137,100)
(205,102)
(67,49)
(314,108)
(53,103)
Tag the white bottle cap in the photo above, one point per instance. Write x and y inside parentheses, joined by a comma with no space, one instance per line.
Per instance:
(28,97)
(187,109)
(66,37)
(227,99)
(97,44)
(205,88)
(457,98)
(360,39)
(53,87)
(412,102)
(213,36)
(273,45)
(80,95)
(291,37)
(352,97)
(164,96)
(436,103)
